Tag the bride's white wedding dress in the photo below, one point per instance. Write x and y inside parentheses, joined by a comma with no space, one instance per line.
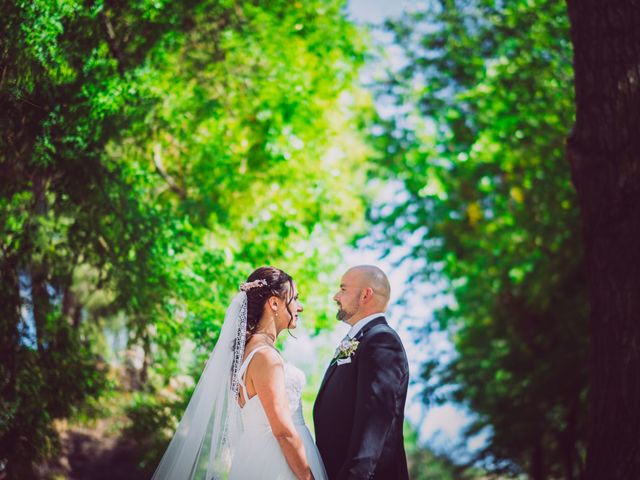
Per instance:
(257,454)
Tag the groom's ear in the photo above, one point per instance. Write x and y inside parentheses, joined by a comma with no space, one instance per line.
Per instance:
(367,294)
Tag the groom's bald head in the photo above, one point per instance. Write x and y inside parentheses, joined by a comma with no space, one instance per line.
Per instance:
(364,290)
(373,277)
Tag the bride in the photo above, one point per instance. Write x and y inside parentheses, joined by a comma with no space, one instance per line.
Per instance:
(244,420)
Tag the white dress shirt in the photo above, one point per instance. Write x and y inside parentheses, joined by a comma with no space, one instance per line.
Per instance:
(360,324)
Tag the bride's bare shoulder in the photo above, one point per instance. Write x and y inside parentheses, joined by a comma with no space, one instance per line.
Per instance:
(265,356)
(268,366)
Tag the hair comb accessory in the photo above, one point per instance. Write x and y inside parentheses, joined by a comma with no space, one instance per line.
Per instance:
(246,286)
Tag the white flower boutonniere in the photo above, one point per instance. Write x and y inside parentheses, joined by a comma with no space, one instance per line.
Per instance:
(345,350)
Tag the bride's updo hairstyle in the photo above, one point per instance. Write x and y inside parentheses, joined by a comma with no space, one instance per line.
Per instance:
(262,284)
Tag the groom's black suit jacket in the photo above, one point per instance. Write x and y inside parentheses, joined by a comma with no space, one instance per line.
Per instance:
(359,411)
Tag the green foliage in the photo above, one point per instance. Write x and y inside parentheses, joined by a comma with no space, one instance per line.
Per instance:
(423,463)
(47,386)
(488,207)
(151,422)
(155,153)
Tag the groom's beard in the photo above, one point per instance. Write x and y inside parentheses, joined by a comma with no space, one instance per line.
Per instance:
(343,315)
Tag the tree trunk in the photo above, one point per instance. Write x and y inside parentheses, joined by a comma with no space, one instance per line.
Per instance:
(40,300)
(71,309)
(146,345)
(9,344)
(567,442)
(537,459)
(604,152)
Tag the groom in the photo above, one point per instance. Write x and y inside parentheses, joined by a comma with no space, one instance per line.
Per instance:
(359,411)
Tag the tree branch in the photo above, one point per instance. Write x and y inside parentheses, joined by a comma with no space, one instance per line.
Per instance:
(111,41)
(157,161)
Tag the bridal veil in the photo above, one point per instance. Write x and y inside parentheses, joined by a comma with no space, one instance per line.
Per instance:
(202,447)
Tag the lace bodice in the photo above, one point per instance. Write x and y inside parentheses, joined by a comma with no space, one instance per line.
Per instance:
(294,383)
(253,416)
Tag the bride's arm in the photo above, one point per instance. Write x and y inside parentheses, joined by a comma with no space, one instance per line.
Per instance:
(267,378)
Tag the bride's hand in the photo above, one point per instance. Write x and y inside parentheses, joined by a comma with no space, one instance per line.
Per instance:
(309,476)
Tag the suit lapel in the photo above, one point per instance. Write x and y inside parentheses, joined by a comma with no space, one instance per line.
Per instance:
(327,375)
(376,321)
(332,368)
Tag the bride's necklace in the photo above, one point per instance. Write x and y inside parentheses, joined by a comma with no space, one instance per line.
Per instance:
(270,336)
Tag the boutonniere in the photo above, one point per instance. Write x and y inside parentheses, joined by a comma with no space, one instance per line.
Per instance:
(345,351)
